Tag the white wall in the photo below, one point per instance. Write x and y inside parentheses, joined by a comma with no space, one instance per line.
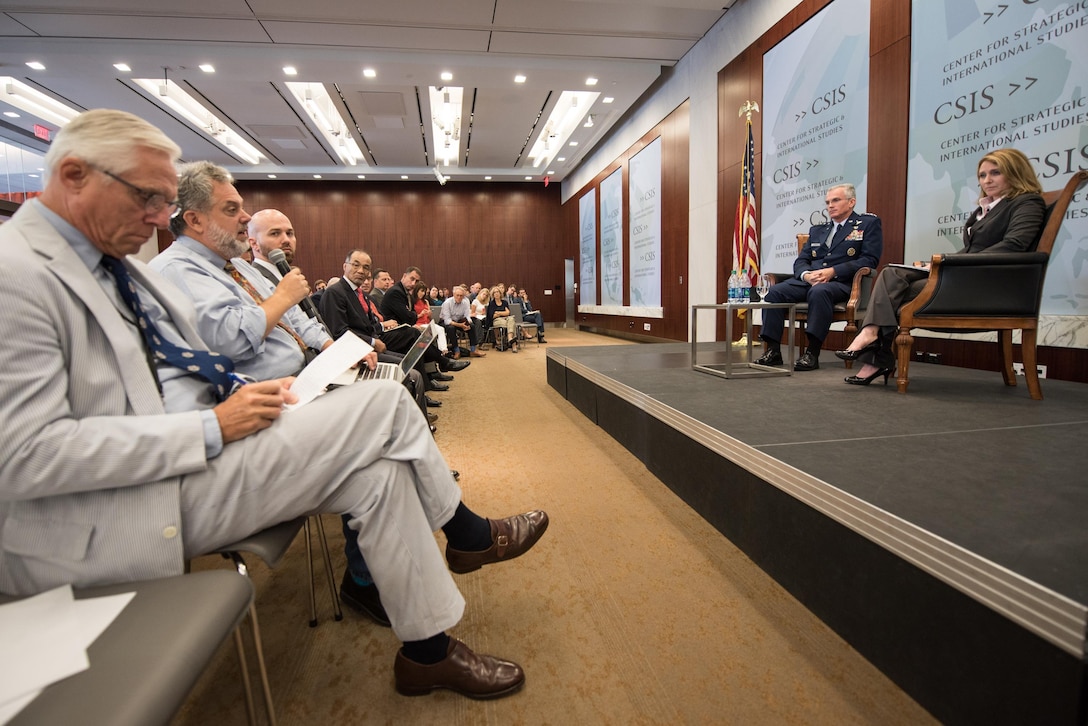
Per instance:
(694,77)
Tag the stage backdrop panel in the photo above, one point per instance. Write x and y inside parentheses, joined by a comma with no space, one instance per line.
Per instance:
(644,234)
(986,76)
(587,225)
(815,125)
(612,239)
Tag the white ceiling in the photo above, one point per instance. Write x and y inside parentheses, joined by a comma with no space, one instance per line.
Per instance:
(557,45)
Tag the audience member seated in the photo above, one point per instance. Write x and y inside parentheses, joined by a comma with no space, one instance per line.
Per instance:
(423,317)
(455,318)
(1009,218)
(529,315)
(239,312)
(500,316)
(478,311)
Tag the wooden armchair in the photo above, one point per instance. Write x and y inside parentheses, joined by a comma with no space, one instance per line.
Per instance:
(988,291)
(850,311)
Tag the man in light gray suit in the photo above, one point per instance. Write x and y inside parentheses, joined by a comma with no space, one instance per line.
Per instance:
(118,465)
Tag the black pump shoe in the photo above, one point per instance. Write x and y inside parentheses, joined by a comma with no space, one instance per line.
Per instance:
(859,381)
(853,354)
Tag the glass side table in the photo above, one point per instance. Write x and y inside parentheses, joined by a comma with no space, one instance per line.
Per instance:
(745,368)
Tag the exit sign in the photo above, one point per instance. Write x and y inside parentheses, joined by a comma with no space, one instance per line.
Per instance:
(42,132)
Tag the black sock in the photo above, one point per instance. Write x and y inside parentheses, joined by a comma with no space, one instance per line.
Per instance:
(467,531)
(814,345)
(773,346)
(429,651)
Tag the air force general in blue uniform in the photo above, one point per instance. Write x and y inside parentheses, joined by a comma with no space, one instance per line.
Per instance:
(822,274)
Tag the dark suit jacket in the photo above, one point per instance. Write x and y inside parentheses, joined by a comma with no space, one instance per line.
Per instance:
(859,243)
(397,305)
(1014,225)
(342,311)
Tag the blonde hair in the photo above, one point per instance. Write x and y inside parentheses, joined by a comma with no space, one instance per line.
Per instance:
(1017,170)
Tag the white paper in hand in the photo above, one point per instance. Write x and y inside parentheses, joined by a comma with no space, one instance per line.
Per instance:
(348,350)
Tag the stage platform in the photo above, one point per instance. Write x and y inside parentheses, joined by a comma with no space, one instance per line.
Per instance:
(943,533)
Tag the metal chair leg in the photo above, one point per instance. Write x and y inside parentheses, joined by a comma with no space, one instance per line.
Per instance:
(338,613)
(310,572)
(243,666)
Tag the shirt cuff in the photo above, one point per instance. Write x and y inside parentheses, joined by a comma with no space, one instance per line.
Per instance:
(213,435)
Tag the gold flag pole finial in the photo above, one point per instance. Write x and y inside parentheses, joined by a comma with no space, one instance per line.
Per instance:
(748,108)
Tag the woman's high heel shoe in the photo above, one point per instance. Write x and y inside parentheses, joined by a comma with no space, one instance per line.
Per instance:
(859,381)
(853,354)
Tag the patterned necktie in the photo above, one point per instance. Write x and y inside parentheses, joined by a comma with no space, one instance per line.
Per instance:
(372,315)
(210,366)
(258,298)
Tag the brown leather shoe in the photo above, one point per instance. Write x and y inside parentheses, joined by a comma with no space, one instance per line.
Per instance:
(462,671)
(511,537)
(476,354)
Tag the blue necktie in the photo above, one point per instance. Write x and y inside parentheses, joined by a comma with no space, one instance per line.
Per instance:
(212,367)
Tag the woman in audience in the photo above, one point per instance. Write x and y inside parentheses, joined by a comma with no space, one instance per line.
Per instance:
(423,317)
(478,312)
(1009,218)
(500,316)
(433,296)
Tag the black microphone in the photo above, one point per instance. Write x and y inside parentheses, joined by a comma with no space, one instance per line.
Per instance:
(277,258)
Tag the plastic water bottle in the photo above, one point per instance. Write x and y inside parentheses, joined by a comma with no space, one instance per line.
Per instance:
(734,288)
(744,282)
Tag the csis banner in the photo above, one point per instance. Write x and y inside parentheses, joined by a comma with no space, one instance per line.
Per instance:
(612,239)
(815,125)
(587,248)
(987,75)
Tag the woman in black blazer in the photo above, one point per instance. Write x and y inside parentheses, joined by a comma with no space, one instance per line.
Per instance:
(1009,218)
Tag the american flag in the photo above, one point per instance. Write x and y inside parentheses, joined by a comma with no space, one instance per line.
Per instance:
(745,236)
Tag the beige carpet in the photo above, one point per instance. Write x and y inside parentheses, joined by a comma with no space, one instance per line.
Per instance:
(630,610)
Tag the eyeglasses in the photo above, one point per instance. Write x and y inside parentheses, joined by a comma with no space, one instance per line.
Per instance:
(356,266)
(154,202)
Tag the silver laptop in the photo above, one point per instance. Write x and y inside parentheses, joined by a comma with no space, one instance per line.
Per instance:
(397,371)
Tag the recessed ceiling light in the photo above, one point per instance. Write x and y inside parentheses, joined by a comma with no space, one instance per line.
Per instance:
(370,72)
(528,178)
(561,158)
(447,76)
(207,67)
(11,114)
(361,176)
(607,99)
(123,67)
(591,81)
(404,176)
(519,78)
(317,176)
(573,143)
(551,171)
(487,178)
(32,176)
(290,71)
(271,176)
(36,65)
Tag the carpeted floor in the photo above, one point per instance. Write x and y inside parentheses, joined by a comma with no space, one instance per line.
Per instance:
(630,610)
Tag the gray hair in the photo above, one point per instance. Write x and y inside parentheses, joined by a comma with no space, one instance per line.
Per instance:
(847,189)
(361,252)
(195,189)
(107,139)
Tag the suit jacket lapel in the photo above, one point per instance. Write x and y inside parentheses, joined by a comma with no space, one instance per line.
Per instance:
(65,264)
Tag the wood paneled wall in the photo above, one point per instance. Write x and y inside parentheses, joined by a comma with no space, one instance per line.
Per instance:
(461,232)
(675,181)
(889,107)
